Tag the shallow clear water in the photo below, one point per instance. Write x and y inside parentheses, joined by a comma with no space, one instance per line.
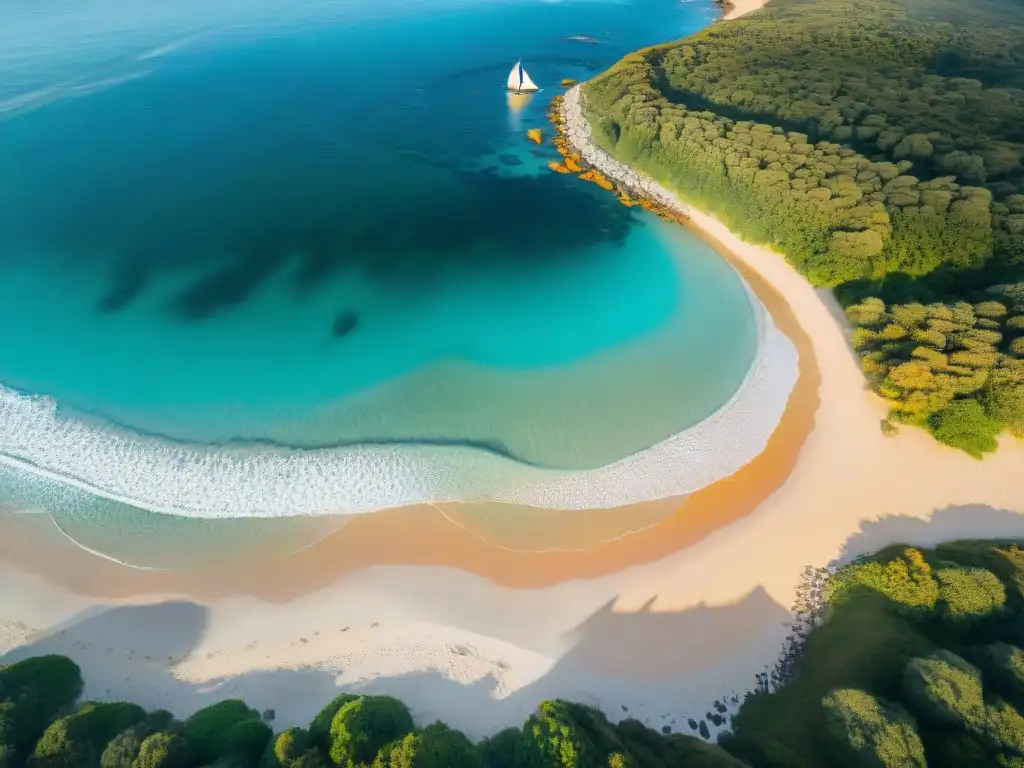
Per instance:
(320,224)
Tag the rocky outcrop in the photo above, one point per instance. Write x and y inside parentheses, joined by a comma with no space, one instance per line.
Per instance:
(576,130)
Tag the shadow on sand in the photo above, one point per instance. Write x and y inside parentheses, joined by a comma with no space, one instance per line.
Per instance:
(662,667)
(966,521)
(641,664)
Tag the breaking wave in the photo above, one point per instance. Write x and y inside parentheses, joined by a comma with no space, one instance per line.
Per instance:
(195,480)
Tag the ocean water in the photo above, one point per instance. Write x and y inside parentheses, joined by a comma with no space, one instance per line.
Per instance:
(307,230)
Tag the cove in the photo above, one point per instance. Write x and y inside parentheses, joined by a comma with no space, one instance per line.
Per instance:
(317,229)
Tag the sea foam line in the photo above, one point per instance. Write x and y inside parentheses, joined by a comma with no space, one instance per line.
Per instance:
(259,481)
(207,481)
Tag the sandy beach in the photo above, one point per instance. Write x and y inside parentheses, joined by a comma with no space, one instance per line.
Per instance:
(737,8)
(455,615)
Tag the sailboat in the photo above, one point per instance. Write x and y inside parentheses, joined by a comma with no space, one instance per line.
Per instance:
(519,81)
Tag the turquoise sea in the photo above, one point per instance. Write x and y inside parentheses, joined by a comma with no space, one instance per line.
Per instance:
(318,225)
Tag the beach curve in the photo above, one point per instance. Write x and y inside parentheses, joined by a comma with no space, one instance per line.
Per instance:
(168,477)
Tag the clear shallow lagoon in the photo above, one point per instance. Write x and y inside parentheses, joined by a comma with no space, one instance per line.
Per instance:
(319,224)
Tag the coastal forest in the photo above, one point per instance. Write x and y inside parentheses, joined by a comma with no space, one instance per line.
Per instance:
(910,658)
(43,725)
(877,144)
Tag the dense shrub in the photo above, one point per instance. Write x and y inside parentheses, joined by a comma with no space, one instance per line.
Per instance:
(436,746)
(963,424)
(910,636)
(320,728)
(902,576)
(502,749)
(361,728)
(872,733)
(946,689)
(228,728)
(876,145)
(122,750)
(941,366)
(162,750)
(1007,664)
(32,693)
(78,740)
(294,749)
(969,594)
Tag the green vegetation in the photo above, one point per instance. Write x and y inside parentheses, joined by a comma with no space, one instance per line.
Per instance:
(878,144)
(224,730)
(42,727)
(917,662)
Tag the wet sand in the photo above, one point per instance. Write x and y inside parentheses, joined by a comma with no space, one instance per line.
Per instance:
(544,547)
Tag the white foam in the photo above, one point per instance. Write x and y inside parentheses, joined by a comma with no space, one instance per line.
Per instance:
(200,481)
(204,481)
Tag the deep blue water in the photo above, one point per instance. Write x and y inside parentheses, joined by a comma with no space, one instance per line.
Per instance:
(320,223)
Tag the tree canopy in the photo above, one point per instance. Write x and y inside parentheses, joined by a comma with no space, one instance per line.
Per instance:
(877,144)
(916,663)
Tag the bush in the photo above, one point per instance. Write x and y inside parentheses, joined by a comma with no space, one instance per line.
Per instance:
(968,594)
(32,693)
(162,750)
(78,740)
(1007,665)
(122,750)
(946,690)
(320,728)
(502,749)
(293,749)
(905,578)
(870,732)
(225,729)
(361,728)
(964,424)
(436,746)
(563,734)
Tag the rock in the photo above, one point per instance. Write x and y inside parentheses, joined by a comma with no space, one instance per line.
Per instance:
(269,715)
(704,732)
(510,160)
(535,135)
(344,324)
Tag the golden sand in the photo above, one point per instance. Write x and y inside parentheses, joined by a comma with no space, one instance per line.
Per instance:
(543,547)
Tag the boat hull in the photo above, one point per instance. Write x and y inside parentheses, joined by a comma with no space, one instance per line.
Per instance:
(522,90)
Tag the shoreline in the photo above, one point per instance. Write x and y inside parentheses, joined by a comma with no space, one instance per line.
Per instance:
(187,480)
(734,9)
(655,625)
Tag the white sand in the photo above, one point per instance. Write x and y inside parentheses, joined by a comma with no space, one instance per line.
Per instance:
(739,8)
(659,642)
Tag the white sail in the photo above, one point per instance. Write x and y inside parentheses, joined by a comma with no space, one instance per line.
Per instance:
(513,76)
(518,80)
(527,84)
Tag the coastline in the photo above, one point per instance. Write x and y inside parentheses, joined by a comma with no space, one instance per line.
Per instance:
(734,9)
(163,476)
(654,625)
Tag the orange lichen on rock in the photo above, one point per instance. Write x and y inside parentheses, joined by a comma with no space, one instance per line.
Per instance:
(572,162)
(559,167)
(626,200)
(535,135)
(597,178)
(568,82)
